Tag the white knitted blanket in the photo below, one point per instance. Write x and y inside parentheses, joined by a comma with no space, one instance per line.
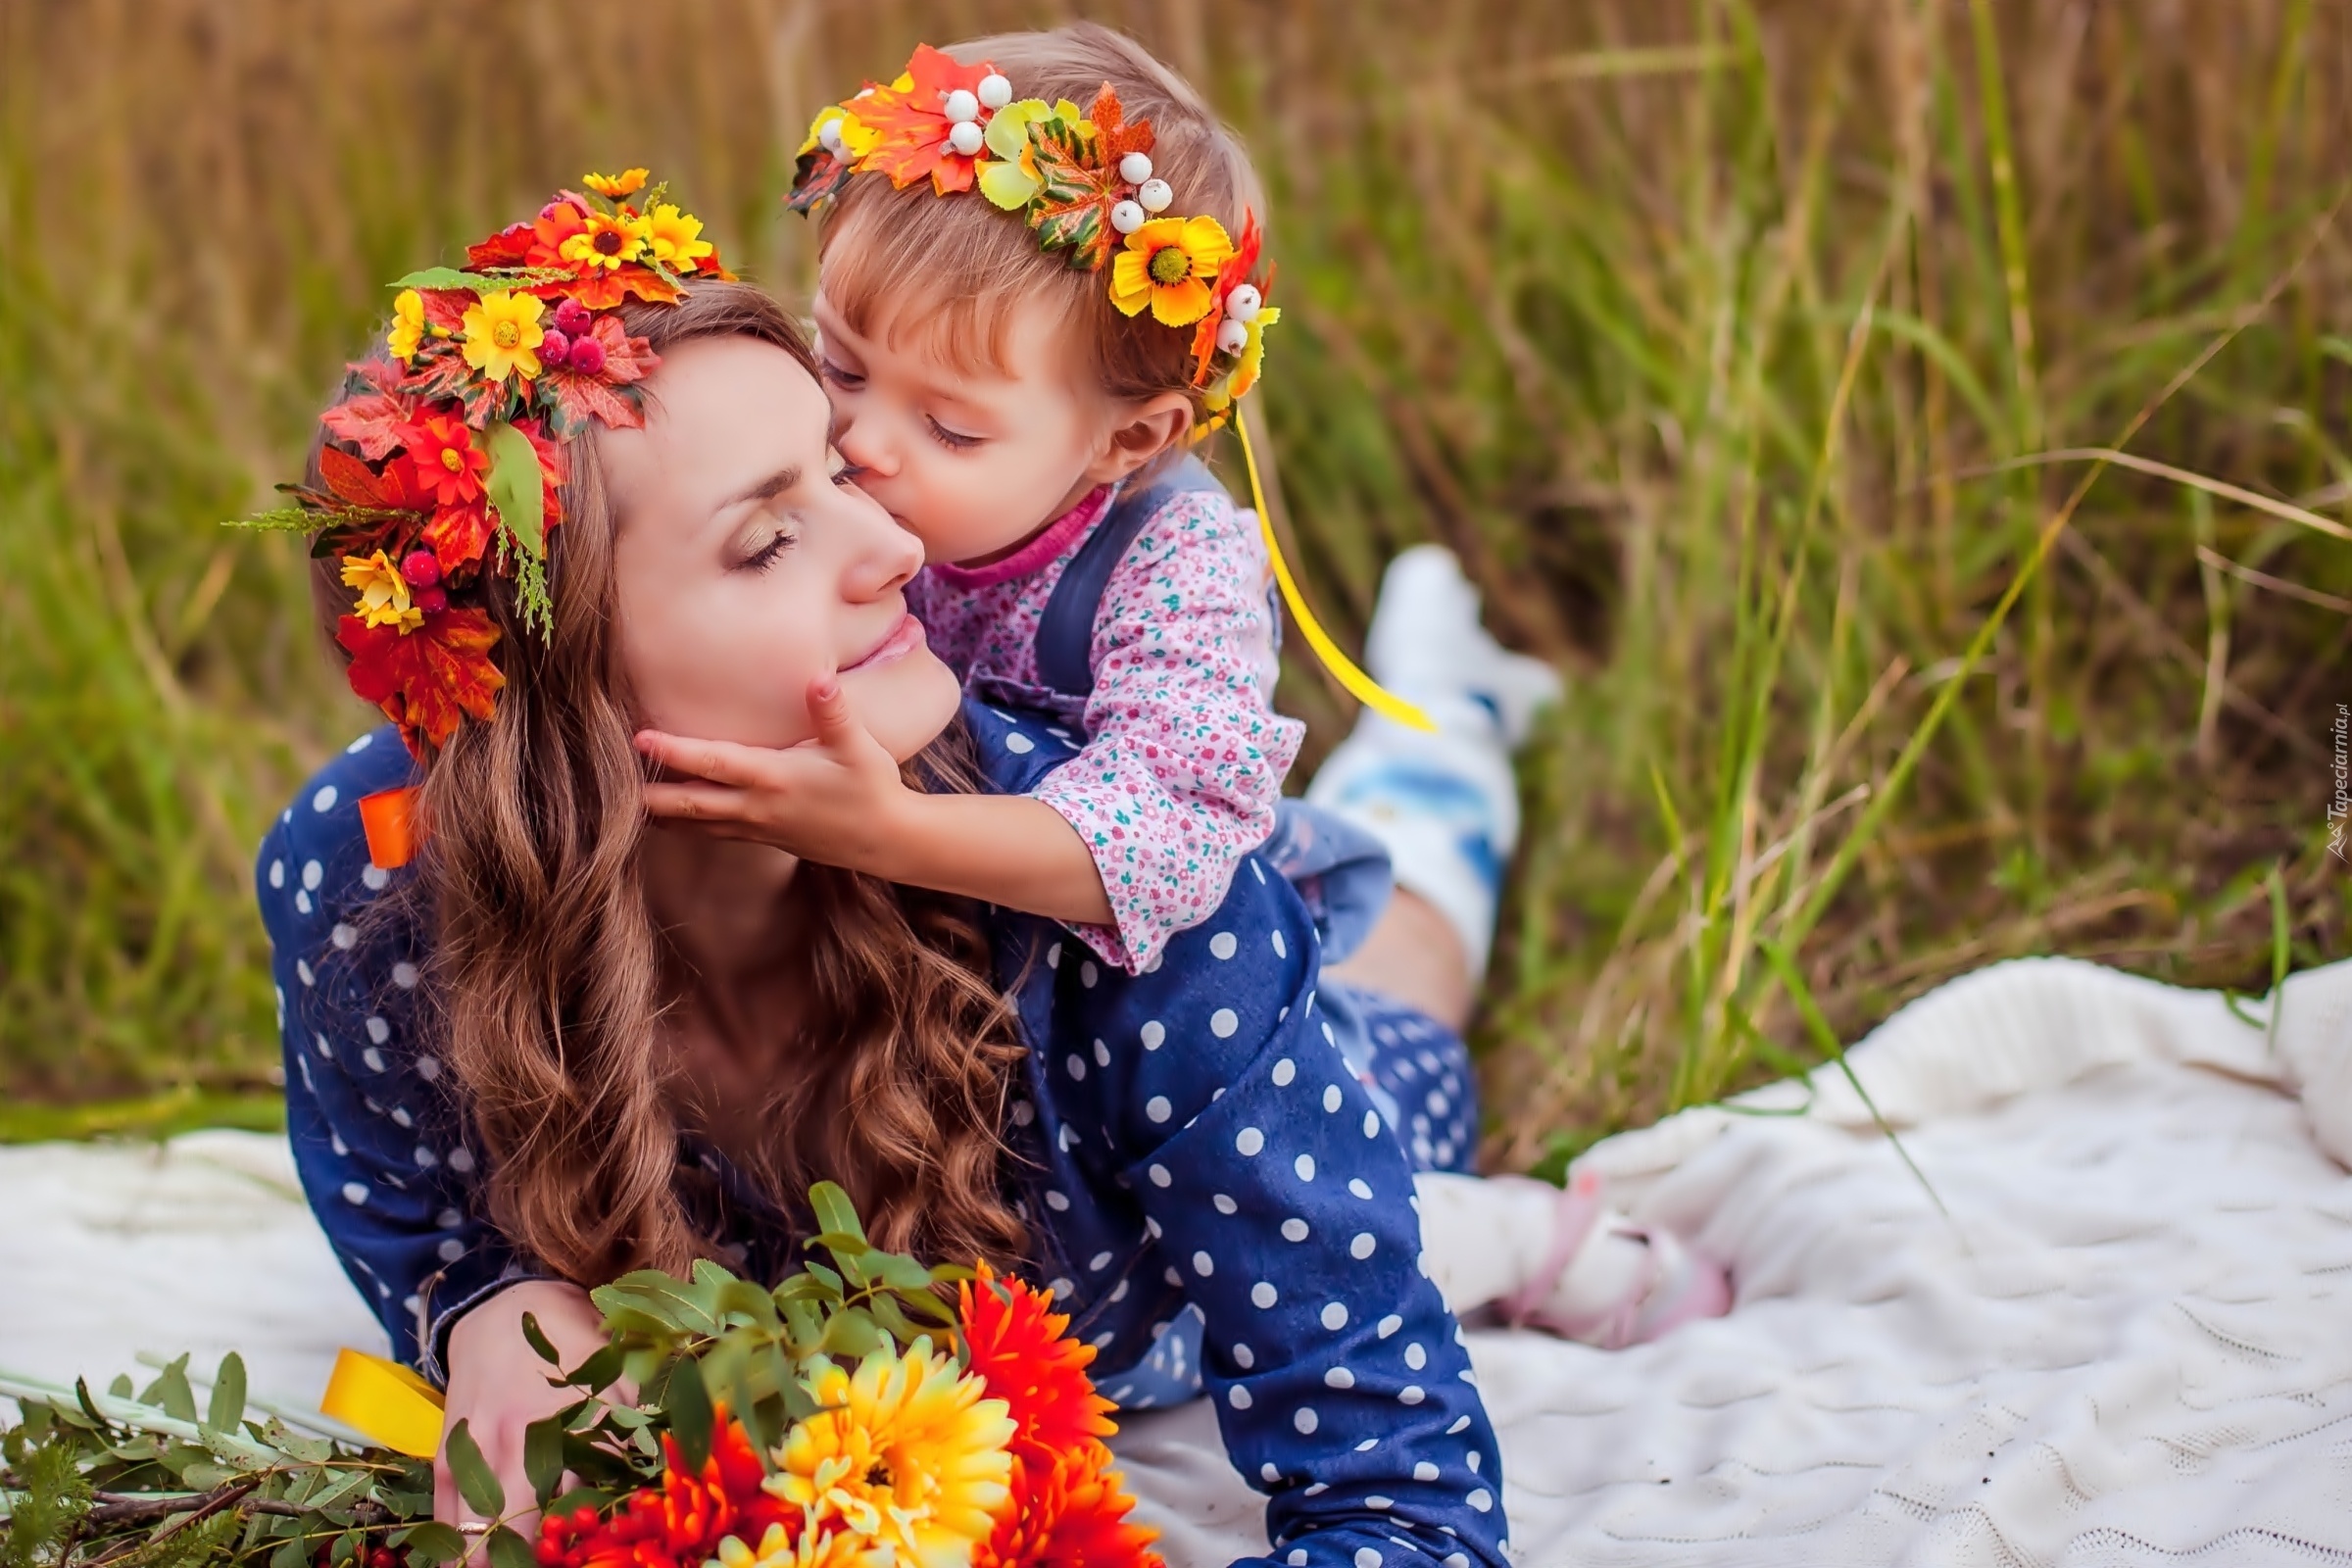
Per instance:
(2131,1344)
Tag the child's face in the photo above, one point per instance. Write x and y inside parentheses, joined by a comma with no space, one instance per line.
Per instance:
(973,462)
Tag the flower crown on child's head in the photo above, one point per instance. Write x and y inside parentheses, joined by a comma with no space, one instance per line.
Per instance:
(442,462)
(1083,183)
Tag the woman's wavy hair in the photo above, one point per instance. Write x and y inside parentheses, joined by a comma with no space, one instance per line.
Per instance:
(550,978)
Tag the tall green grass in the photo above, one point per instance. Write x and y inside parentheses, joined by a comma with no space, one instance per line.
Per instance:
(1733,344)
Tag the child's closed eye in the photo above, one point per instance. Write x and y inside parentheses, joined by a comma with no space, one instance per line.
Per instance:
(953,439)
(837,375)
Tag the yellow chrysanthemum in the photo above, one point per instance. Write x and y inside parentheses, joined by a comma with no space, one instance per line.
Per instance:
(383,592)
(906,1454)
(675,238)
(408,324)
(814,1548)
(503,334)
(628,183)
(609,240)
(1168,264)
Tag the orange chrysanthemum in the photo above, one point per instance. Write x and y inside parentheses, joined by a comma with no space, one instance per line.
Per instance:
(1070,1511)
(1014,1340)
(679,1524)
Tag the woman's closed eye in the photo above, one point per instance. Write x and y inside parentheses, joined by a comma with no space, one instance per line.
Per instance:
(760,560)
(955,440)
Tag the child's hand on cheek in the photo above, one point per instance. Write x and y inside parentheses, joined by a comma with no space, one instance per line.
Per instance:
(834,797)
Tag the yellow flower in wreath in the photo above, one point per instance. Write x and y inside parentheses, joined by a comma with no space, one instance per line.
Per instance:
(906,1454)
(675,238)
(503,334)
(609,240)
(626,183)
(383,592)
(408,324)
(1168,264)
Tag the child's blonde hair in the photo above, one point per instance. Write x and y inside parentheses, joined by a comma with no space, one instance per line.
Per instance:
(895,258)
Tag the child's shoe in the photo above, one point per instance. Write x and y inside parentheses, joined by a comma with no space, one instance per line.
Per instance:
(1427,641)
(1610,1283)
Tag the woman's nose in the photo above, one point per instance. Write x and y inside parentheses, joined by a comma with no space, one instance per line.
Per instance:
(889,558)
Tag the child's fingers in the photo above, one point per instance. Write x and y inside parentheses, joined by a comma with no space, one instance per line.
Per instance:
(720,761)
(837,727)
(697,803)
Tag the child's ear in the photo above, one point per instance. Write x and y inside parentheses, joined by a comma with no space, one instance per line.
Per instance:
(1151,430)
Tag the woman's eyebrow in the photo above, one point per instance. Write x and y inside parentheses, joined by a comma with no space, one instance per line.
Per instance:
(767,489)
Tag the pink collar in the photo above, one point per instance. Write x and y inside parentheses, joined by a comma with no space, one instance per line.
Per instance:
(1039,551)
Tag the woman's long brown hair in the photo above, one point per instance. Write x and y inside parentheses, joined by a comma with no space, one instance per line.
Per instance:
(548,975)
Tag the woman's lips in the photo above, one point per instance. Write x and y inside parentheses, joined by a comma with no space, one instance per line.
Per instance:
(903,639)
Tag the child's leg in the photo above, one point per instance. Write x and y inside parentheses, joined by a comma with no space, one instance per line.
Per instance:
(1447,807)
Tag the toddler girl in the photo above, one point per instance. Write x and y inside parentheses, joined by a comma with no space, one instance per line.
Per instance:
(1026,312)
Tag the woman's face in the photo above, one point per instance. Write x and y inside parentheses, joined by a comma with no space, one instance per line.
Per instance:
(745,569)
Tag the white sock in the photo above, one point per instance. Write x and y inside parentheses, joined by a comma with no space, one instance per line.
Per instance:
(1445,806)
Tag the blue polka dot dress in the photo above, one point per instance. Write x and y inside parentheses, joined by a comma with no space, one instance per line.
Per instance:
(1215,1159)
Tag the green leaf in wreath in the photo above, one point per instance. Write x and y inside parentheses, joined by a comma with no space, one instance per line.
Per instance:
(515,486)
(476,1482)
(543,1458)
(508,1550)
(289,1553)
(121,1386)
(228,1395)
(687,1402)
(434,1543)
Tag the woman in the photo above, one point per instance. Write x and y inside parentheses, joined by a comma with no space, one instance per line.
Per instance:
(559,1046)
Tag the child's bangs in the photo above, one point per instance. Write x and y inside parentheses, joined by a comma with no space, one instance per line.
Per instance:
(931,275)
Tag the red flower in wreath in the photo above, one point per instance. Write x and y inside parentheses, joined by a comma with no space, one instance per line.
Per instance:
(447,465)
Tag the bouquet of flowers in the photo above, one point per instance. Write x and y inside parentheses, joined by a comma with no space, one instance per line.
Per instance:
(854,1416)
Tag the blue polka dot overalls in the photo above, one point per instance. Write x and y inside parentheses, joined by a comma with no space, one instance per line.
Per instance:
(1215,1159)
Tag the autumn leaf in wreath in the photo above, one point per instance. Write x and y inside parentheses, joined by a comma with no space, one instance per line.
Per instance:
(1079,180)
(425,681)
(458,536)
(591,385)
(372,420)
(909,120)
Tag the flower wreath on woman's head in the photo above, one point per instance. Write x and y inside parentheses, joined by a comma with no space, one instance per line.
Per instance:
(443,462)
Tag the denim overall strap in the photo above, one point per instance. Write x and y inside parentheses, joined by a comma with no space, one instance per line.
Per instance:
(1065,632)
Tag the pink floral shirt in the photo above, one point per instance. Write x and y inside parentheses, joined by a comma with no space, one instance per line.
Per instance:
(1184,757)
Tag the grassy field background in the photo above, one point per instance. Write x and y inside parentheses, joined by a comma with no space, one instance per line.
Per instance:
(1749,351)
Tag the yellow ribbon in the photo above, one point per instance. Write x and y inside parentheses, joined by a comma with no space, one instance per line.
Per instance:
(385,1400)
(1362,687)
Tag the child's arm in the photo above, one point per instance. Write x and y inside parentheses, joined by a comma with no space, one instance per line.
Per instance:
(838,799)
